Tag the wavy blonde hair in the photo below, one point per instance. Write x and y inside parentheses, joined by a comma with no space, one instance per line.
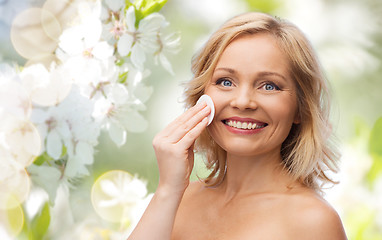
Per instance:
(308,152)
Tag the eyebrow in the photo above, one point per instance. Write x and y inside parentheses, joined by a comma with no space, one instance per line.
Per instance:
(230,70)
(261,74)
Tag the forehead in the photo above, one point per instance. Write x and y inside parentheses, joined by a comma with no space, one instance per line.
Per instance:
(255,52)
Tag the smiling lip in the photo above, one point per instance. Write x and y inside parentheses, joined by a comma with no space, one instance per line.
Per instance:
(244,126)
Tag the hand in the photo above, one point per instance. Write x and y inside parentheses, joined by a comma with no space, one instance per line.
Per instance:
(174,147)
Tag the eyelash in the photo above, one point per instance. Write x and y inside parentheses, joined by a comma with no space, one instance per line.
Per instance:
(221,80)
(272,84)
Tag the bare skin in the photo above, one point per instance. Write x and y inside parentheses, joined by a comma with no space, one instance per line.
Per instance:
(258,199)
(297,213)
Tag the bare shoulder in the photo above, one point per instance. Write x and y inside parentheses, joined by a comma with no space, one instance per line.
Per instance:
(315,218)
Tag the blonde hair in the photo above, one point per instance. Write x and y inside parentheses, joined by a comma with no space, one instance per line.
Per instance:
(307,152)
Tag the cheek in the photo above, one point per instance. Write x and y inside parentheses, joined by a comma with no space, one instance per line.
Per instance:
(218,98)
(280,108)
(285,110)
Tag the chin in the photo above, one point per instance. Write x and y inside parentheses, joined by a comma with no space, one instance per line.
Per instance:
(241,150)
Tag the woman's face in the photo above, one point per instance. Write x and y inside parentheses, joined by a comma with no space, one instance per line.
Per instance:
(254,97)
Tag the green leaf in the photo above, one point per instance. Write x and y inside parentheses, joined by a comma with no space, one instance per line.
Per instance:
(122,77)
(42,158)
(138,17)
(40,223)
(128,3)
(64,151)
(375,150)
(143,8)
(153,6)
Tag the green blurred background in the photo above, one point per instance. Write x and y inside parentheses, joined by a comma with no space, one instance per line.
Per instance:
(347,35)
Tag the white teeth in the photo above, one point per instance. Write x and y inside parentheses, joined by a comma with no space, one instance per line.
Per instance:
(243,125)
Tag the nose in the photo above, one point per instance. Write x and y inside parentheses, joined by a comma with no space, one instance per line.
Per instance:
(244,99)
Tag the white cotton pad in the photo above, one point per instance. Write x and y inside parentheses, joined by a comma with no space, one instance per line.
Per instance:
(210,103)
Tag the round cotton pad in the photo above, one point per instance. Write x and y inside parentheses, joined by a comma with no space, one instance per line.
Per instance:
(210,103)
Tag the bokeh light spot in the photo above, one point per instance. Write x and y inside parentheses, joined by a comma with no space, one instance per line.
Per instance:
(66,12)
(45,60)
(22,140)
(12,220)
(114,196)
(35,32)
(14,184)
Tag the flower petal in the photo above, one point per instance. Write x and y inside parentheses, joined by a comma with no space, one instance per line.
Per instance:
(71,41)
(124,44)
(114,5)
(85,151)
(109,188)
(166,63)
(130,18)
(138,56)
(151,23)
(102,50)
(75,168)
(118,94)
(143,92)
(108,203)
(47,177)
(117,134)
(54,145)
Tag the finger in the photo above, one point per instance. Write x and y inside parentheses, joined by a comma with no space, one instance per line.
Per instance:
(182,129)
(189,139)
(182,120)
(191,111)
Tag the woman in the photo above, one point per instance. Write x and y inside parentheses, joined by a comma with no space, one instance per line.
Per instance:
(268,146)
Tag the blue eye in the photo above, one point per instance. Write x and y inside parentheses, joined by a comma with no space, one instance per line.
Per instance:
(224,82)
(270,87)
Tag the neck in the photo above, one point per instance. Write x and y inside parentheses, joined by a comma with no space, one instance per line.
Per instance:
(250,175)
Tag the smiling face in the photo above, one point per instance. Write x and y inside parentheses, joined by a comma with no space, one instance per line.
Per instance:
(254,97)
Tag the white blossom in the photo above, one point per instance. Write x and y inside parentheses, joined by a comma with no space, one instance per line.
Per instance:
(111,8)
(141,40)
(70,124)
(88,60)
(118,110)
(46,87)
(168,44)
